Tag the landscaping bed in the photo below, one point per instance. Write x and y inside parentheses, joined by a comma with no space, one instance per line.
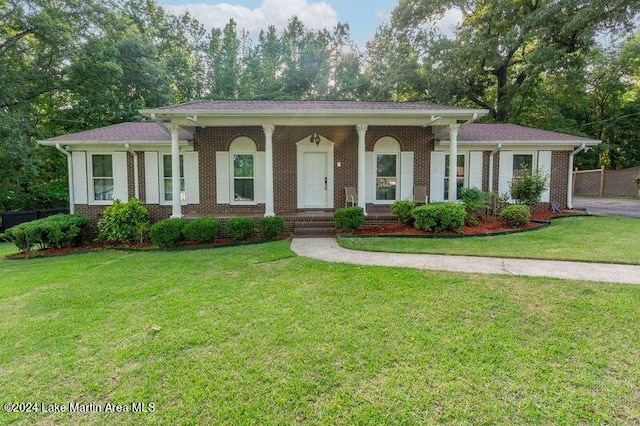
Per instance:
(488,227)
(99,246)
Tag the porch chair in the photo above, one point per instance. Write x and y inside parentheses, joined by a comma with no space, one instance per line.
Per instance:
(350,196)
(420,195)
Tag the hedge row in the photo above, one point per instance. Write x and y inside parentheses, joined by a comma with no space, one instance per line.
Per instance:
(57,231)
(171,232)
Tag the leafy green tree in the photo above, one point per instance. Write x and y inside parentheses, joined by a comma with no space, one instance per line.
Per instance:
(502,47)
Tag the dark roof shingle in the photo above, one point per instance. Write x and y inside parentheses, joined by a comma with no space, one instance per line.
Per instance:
(507,132)
(123,132)
(305,106)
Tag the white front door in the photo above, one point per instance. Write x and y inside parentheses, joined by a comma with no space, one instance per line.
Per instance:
(315,179)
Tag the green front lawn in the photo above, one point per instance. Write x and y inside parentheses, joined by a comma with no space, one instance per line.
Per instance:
(7,248)
(592,239)
(255,335)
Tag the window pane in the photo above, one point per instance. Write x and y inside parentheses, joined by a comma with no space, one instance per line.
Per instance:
(386,188)
(102,166)
(166,166)
(103,189)
(243,165)
(459,174)
(522,165)
(387,164)
(168,190)
(243,190)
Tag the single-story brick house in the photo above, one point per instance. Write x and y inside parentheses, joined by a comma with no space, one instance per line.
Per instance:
(276,157)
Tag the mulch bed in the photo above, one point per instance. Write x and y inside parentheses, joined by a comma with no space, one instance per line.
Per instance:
(491,226)
(98,246)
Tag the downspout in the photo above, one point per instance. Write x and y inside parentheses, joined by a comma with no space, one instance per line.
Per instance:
(494,152)
(72,204)
(136,177)
(570,180)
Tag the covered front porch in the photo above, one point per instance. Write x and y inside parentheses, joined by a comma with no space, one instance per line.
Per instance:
(327,160)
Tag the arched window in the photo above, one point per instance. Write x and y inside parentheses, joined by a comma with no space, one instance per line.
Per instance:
(243,170)
(387,157)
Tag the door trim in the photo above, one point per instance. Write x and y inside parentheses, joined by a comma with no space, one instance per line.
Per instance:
(325,146)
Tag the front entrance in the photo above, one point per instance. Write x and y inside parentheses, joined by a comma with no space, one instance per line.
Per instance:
(315,186)
(315,174)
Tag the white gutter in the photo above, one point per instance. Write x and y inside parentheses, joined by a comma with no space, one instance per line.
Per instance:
(491,161)
(72,206)
(136,177)
(570,179)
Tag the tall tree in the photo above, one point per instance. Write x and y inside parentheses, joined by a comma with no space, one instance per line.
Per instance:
(502,45)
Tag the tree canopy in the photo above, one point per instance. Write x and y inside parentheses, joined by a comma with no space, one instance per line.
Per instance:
(74,65)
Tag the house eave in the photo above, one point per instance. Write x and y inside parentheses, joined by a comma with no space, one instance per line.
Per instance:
(313,117)
(74,144)
(523,144)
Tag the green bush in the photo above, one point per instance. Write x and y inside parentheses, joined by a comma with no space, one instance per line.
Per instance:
(60,230)
(439,217)
(202,230)
(271,227)
(516,215)
(126,223)
(475,201)
(168,232)
(349,219)
(528,189)
(239,228)
(404,211)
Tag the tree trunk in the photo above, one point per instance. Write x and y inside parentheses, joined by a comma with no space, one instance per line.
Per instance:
(503,99)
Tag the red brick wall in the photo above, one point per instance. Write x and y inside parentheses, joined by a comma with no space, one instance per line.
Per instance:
(558,182)
(207,141)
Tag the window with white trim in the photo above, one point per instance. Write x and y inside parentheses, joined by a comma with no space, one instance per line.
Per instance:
(102,184)
(243,170)
(387,157)
(167,179)
(243,177)
(522,165)
(461,173)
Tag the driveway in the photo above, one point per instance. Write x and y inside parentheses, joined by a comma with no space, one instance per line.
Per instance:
(629,207)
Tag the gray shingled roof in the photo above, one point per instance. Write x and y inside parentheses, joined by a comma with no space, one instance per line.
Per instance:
(507,132)
(123,132)
(305,106)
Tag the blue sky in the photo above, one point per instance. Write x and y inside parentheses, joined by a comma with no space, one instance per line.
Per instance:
(363,16)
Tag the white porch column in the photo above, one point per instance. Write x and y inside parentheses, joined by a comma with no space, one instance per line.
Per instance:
(362,176)
(453,161)
(268,169)
(175,172)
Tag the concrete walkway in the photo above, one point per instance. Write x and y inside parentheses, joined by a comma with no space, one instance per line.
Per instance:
(327,249)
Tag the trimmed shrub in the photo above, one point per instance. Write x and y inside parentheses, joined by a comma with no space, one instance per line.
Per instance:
(202,230)
(529,188)
(239,228)
(126,223)
(439,217)
(516,215)
(57,231)
(404,211)
(271,227)
(168,232)
(475,201)
(349,219)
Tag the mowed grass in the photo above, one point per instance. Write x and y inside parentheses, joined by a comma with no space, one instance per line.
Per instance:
(255,335)
(7,248)
(610,239)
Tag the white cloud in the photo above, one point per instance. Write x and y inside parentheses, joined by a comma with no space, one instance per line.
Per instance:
(449,21)
(383,15)
(271,12)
